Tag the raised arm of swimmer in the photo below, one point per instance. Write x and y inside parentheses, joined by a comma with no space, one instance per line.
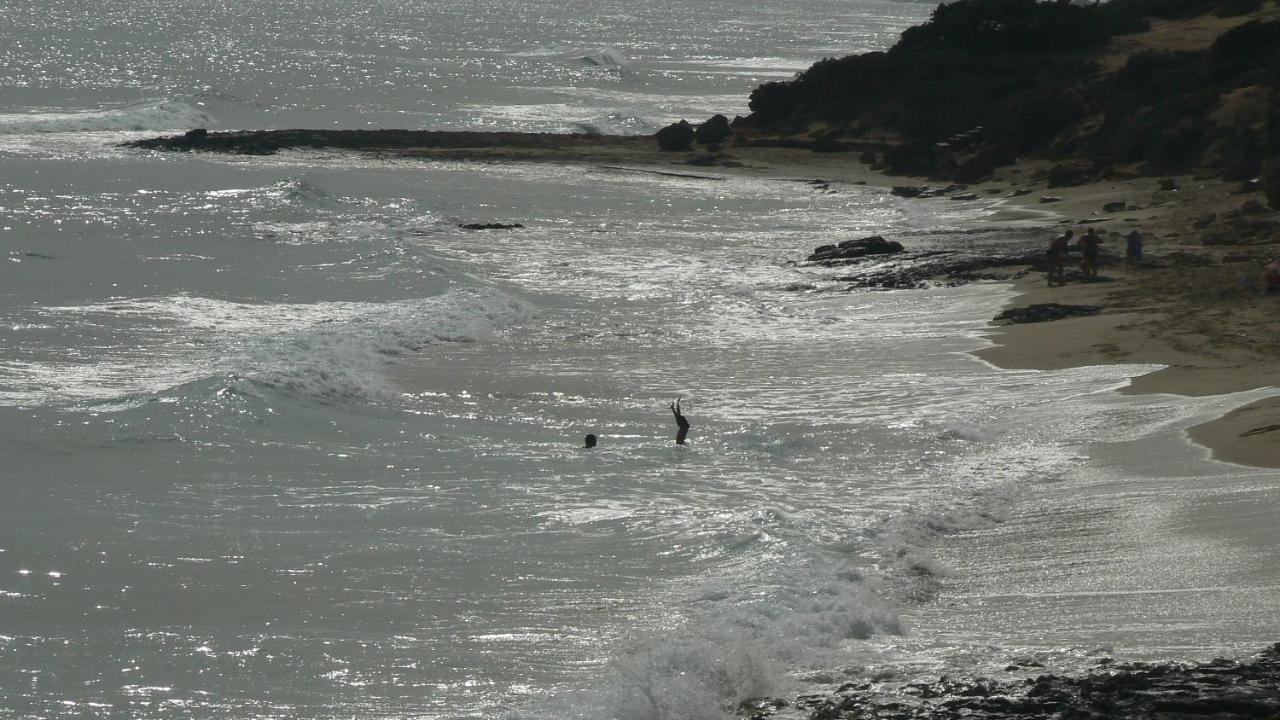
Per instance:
(681,423)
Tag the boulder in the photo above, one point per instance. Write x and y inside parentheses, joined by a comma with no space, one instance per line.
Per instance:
(1252,207)
(1070,174)
(1045,312)
(982,164)
(874,245)
(490,226)
(676,137)
(912,158)
(854,249)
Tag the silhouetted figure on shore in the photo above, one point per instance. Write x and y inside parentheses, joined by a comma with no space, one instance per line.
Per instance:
(680,422)
(1089,248)
(1058,250)
(589,441)
(1133,248)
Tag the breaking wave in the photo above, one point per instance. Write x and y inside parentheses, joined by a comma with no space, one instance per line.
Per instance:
(162,115)
(336,351)
(605,58)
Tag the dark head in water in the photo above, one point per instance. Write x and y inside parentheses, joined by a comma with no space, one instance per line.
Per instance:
(590,441)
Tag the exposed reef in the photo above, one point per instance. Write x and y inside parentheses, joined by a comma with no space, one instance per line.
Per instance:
(1219,689)
(267,142)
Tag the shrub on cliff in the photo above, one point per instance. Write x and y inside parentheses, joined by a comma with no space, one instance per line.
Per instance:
(676,137)
(940,75)
(1171,9)
(1248,54)
(998,26)
(714,131)
(772,102)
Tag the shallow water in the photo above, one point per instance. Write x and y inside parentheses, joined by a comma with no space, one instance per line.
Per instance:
(282,440)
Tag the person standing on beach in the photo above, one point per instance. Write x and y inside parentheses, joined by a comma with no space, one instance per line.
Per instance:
(1058,250)
(1133,248)
(1089,248)
(681,423)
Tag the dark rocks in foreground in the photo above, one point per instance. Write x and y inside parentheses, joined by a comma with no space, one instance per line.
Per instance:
(1218,690)
(880,264)
(490,226)
(1045,312)
(854,249)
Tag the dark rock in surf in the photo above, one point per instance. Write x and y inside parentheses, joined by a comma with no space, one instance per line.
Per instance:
(1046,312)
(1218,689)
(908,191)
(853,249)
(490,226)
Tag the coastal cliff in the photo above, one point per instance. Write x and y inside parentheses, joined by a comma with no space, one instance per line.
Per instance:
(1126,87)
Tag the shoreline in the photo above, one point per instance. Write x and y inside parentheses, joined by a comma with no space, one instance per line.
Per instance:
(1194,305)
(1195,308)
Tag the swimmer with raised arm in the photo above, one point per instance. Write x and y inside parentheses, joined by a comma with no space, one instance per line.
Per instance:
(680,422)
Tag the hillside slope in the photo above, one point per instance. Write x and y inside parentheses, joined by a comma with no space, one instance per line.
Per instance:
(1129,87)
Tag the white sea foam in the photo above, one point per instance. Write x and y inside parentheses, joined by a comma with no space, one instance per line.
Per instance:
(160,115)
(334,350)
(606,57)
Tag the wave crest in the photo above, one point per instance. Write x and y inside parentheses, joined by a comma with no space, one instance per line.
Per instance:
(161,115)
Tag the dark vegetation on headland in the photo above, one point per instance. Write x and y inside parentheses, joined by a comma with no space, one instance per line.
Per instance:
(985,82)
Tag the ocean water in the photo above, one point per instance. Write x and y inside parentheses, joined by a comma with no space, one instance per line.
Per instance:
(281,440)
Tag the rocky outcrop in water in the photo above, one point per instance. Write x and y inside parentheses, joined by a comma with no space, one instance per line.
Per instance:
(265,142)
(1045,312)
(879,264)
(854,249)
(490,226)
